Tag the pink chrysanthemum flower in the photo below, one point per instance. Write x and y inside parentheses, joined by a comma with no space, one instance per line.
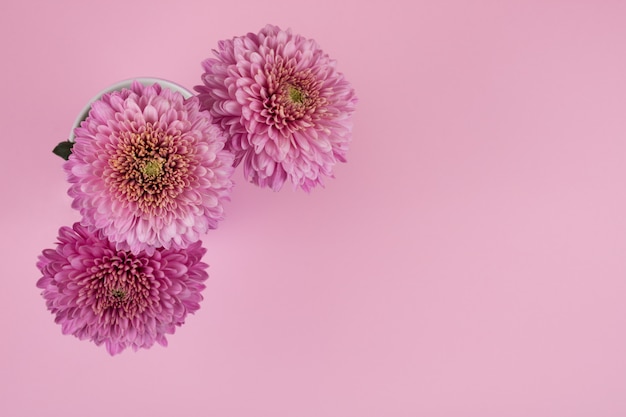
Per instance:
(149,169)
(116,297)
(285,108)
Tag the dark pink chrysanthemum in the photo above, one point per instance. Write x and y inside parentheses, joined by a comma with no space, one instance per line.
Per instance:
(149,169)
(285,108)
(116,297)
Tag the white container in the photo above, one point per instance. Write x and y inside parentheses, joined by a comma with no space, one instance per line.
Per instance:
(126,84)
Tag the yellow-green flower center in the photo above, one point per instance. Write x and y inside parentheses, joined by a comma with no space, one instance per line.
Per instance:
(152,169)
(118,294)
(295,95)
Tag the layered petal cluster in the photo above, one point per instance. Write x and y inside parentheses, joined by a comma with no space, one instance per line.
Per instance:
(115,297)
(149,169)
(283,105)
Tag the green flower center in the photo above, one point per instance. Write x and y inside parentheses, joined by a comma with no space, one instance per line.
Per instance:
(118,294)
(295,95)
(152,169)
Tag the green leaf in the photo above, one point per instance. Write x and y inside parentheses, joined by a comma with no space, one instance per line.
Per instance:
(63,149)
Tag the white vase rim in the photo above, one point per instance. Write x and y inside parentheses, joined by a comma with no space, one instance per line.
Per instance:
(126,84)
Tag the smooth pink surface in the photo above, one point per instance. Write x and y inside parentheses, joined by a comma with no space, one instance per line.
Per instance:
(469,260)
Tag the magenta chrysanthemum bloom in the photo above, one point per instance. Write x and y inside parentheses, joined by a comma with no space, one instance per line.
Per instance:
(116,297)
(149,169)
(285,108)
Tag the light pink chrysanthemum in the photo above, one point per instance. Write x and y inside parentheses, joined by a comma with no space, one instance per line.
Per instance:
(115,297)
(285,108)
(149,169)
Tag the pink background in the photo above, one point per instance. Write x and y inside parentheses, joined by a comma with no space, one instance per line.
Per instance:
(469,260)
